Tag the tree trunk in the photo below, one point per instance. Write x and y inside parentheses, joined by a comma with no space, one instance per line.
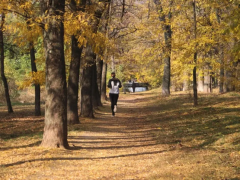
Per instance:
(99,64)
(104,82)
(167,65)
(73,83)
(86,89)
(80,89)
(89,61)
(4,79)
(195,95)
(207,80)
(103,91)
(37,86)
(221,79)
(166,77)
(167,52)
(229,83)
(55,129)
(95,92)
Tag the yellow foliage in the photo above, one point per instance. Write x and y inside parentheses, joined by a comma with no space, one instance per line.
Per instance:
(33,78)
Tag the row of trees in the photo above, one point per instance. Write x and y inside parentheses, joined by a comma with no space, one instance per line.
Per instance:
(69,29)
(183,44)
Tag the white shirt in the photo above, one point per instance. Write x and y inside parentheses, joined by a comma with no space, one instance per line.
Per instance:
(115,88)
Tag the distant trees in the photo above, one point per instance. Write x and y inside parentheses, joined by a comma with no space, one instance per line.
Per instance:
(203,45)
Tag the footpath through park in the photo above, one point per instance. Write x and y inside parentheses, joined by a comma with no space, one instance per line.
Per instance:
(151,137)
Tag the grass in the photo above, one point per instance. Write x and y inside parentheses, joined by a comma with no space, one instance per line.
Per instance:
(152,137)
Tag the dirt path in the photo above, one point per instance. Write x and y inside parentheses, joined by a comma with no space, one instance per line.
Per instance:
(120,147)
(151,138)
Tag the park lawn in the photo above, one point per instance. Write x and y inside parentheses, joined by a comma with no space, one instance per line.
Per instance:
(152,137)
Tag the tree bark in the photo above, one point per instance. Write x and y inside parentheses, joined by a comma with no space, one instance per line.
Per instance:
(99,65)
(207,80)
(37,86)
(167,51)
(104,64)
(195,95)
(4,79)
(73,83)
(55,128)
(74,72)
(86,89)
(80,88)
(221,79)
(104,82)
(95,92)
(166,77)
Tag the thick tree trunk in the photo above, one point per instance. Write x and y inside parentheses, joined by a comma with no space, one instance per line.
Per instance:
(104,82)
(89,60)
(74,73)
(73,83)
(37,86)
(86,89)
(4,79)
(99,64)
(55,129)
(195,95)
(95,92)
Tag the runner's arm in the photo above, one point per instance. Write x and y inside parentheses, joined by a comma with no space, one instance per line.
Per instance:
(120,84)
(109,84)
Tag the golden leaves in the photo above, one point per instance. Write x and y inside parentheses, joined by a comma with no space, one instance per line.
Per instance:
(33,78)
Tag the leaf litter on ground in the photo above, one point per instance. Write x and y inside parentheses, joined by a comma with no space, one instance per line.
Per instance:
(152,137)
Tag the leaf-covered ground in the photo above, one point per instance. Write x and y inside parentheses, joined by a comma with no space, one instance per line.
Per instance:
(151,137)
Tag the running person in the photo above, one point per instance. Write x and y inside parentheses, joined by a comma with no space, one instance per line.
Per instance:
(114,84)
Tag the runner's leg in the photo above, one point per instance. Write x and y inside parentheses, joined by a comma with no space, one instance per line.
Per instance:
(115,102)
(112,99)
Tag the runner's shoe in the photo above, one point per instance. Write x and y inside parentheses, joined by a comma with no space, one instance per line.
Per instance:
(115,108)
